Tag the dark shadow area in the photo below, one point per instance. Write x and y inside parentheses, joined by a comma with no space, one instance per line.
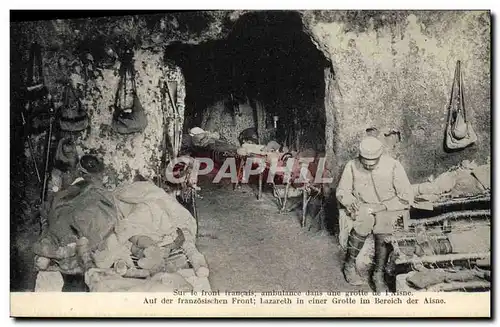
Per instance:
(24,189)
(268,58)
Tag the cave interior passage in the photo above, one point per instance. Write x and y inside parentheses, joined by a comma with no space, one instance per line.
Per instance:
(266,61)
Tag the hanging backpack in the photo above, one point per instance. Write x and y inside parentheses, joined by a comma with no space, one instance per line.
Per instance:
(459,132)
(73,118)
(128,118)
(66,155)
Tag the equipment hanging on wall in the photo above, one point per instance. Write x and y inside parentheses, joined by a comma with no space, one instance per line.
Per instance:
(177,136)
(66,156)
(73,118)
(38,117)
(169,124)
(459,132)
(48,154)
(35,84)
(36,94)
(35,115)
(128,117)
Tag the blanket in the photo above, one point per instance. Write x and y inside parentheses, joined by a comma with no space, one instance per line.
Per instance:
(424,279)
(108,220)
(105,280)
(205,138)
(148,210)
(464,181)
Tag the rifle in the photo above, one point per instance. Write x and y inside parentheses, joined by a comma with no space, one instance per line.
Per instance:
(177,129)
(48,145)
(35,88)
(30,144)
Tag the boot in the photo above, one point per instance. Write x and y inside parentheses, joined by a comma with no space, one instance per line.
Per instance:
(381,254)
(354,245)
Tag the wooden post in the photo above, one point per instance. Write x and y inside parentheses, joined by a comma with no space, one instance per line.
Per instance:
(406,221)
(259,195)
(195,210)
(239,175)
(304,205)
(287,187)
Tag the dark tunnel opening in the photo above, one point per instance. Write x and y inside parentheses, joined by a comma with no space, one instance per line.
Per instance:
(267,69)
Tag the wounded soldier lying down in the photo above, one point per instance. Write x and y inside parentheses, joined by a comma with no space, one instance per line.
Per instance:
(138,220)
(84,210)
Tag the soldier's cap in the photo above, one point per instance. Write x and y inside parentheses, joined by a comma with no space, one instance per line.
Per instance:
(196,131)
(371,148)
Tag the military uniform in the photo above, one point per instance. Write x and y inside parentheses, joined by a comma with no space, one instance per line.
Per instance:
(374,199)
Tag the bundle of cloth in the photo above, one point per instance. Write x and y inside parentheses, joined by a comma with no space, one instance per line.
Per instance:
(202,138)
(466,180)
(138,231)
(430,279)
(272,147)
(199,139)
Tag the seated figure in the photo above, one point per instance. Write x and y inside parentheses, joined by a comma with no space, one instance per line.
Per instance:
(374,191)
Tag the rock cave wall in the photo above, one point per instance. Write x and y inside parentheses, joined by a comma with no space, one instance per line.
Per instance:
(230,124)
(394,70)
(124,156)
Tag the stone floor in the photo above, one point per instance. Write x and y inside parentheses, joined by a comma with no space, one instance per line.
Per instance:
(249,245)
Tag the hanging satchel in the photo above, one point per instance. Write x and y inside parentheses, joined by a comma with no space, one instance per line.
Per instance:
(459,132)
(127,118)
(66,155)
(73,118)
